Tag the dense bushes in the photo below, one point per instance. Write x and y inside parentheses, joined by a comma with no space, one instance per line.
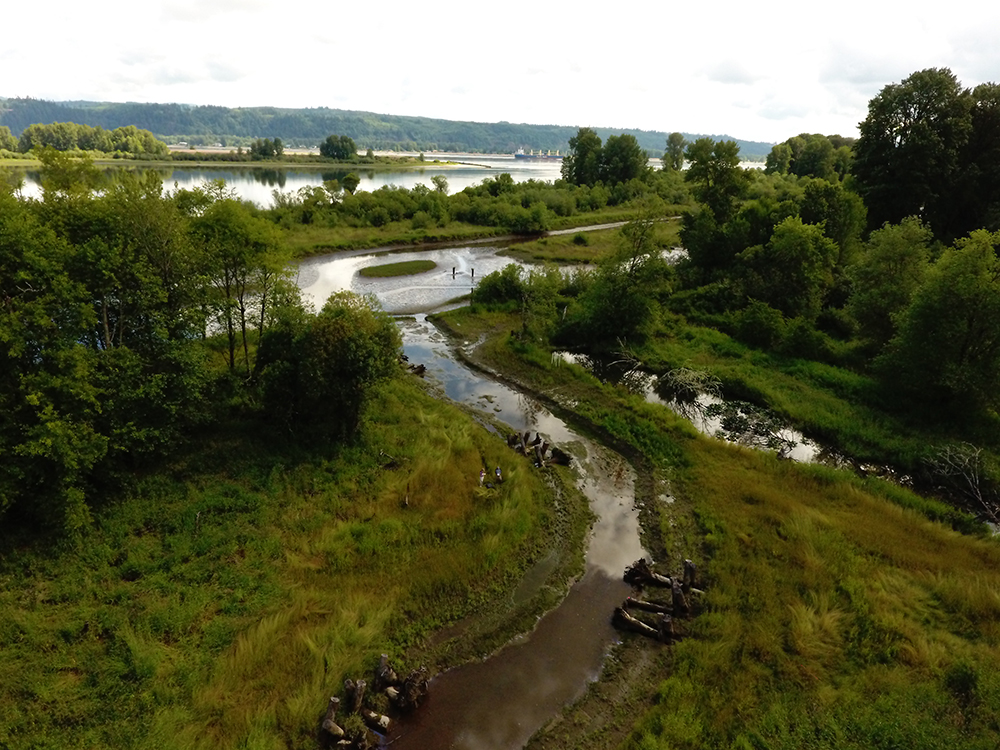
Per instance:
(528,207)
(130,318)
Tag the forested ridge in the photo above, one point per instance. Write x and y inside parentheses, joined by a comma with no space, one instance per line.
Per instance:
(233,127)
(209,489)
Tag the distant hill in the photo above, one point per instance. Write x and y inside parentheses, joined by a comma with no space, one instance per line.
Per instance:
(205,125)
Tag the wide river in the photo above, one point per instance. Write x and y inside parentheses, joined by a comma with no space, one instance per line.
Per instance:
(499,702)
(258,184)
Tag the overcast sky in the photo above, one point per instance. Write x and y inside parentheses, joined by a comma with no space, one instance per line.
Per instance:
(758,71)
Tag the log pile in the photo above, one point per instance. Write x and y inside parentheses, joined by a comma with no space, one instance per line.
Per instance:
(538,449)
(659,615)
(404,695)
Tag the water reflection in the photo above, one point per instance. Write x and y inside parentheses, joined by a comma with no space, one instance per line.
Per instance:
(256,184)
(456,273)
(497,704)
(699,400)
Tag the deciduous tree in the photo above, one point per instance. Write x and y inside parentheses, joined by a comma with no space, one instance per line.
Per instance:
(947,348)
(889,269)
(908,159)
(715,173)
(673,157)
(582,164)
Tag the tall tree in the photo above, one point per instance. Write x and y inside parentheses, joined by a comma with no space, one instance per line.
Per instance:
(673,157)
(907,161)
(793,271)
(48,399)
(621,303)
(622,159)
(339,147)
(318,372)
(714,169)
(582,164)
(244,261)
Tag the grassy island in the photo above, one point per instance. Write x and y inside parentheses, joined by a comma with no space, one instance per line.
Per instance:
(403,268)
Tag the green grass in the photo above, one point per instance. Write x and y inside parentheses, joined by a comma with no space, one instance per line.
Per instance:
(307,240)
(404,268)
(585,247)
(220,606)
(832,618)
(311,239)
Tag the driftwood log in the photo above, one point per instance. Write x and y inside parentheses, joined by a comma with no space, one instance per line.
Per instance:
(622,619)
(663,632)
(640,574)
(632,603)
(374,721)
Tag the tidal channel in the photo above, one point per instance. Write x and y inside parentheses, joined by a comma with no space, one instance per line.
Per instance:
(499,702)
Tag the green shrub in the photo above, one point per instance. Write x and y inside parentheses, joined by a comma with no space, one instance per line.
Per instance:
(759,324)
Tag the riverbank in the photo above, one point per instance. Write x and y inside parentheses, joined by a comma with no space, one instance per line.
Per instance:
(835,607)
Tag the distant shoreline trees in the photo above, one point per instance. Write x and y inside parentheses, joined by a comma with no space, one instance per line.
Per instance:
(70,136)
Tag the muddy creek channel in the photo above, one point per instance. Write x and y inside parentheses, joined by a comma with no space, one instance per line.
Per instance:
(499,702)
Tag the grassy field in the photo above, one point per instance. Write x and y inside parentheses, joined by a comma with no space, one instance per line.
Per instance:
(310,239)
(838,612)
(307,240)
(833,618)
(220,605)
(585,247)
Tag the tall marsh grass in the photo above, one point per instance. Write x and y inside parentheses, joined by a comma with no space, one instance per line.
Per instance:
(832,618)
(221,607)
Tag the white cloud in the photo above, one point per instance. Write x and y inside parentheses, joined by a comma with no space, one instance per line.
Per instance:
(762,72)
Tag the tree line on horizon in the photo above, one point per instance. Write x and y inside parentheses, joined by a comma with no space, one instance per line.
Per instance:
(207,125)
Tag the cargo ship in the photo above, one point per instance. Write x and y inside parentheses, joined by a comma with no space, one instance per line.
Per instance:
(520,154)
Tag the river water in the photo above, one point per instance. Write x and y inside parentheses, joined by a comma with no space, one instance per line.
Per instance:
(257,184)
(499,702)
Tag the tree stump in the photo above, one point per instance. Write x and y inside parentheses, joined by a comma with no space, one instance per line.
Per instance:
(680,602)
(329,721)
(690,571)
(385,675)
(666,629)
(355,694)
(413,690)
